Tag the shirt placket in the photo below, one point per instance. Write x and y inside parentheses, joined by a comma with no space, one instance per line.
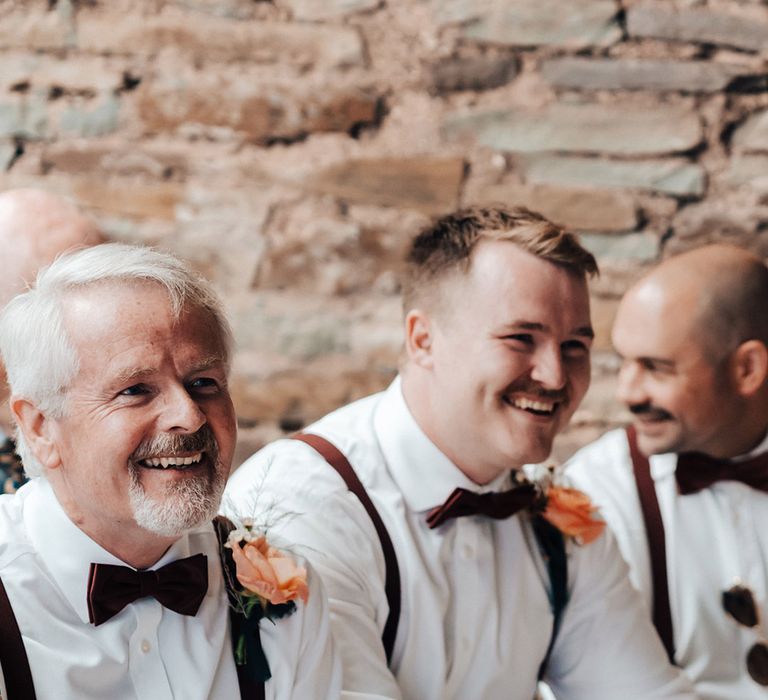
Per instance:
(145,663)
(469,598)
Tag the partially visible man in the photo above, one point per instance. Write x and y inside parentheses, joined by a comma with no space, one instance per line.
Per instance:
(692,521)
(440,587)
(35,227)
(118,362)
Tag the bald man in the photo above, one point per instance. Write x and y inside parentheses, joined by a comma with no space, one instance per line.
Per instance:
(35,227)
(684,487)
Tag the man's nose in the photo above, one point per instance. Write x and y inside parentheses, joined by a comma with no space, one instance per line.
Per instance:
(181,414)
(549,368)
(629,386)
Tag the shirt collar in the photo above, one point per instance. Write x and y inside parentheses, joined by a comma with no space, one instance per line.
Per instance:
(664,465)
(67,551)
(424,475)
(761,447)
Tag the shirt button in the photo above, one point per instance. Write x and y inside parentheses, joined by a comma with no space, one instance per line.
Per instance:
(468,551)
(145,646)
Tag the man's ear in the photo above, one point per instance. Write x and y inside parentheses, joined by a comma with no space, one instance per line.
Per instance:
(38,431)
(418,337)
(749,363)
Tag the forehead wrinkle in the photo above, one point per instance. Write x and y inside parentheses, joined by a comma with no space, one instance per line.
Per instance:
(137,372)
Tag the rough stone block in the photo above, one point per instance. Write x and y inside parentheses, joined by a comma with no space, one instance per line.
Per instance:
(312,249)
(630,247)
(313,10)
(674,176)
(83,118)
(219,39)
(473,72)
(25,117)
(718,220)
(580,209)
(234,9)
(426,184)
(35,26)
(533,22)
(73,75)
(600,402)
(86,156)
(753,134)
(287,334)
(751,170)
(303,393)
(639,74)
(128,198)
(220,230)
(575,436)
(746,30)
(619,129)
(603,314)
(260,113)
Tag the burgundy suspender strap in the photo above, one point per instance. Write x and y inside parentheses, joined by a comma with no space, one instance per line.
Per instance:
(341,464)
(13,657)
(654,530)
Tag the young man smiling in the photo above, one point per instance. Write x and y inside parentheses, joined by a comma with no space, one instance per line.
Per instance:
(684,488)
(497,338)
(118,363)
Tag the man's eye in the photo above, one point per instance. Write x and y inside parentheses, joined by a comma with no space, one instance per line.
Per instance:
(204,385)
(524,338)
(574,348)
(651,366)
(135,390)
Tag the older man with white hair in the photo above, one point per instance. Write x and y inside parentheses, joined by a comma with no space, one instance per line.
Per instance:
(117,582)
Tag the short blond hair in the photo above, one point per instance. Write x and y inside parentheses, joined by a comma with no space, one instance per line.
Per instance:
(447,245)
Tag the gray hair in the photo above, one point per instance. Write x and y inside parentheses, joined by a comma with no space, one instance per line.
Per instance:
(39,358)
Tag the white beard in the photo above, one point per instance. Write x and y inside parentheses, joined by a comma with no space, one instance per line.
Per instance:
(184,504)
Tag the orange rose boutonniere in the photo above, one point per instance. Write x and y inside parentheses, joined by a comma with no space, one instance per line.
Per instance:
(262,582)
(265,572)
(571,512)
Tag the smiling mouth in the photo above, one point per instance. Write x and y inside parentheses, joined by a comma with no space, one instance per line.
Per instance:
(178,463)
(537,407)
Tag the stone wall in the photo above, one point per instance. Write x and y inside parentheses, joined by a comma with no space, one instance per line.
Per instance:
(291,148)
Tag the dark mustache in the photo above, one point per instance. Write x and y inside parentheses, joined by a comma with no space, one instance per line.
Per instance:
(534,390)
(173,443)
(647,408)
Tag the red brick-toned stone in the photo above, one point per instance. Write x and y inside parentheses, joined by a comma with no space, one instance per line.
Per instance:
(208,38)
(428,184)
(261,114)
(581,209)
(156,201)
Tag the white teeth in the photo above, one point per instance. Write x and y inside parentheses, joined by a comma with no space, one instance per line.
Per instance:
(546,407)
(166,462)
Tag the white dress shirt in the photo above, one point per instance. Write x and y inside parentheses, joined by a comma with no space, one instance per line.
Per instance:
(146,651)
(475,620)
(712,538)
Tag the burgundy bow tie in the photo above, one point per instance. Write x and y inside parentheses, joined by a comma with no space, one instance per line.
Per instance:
(495,505)
(179,586)
(696,471)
